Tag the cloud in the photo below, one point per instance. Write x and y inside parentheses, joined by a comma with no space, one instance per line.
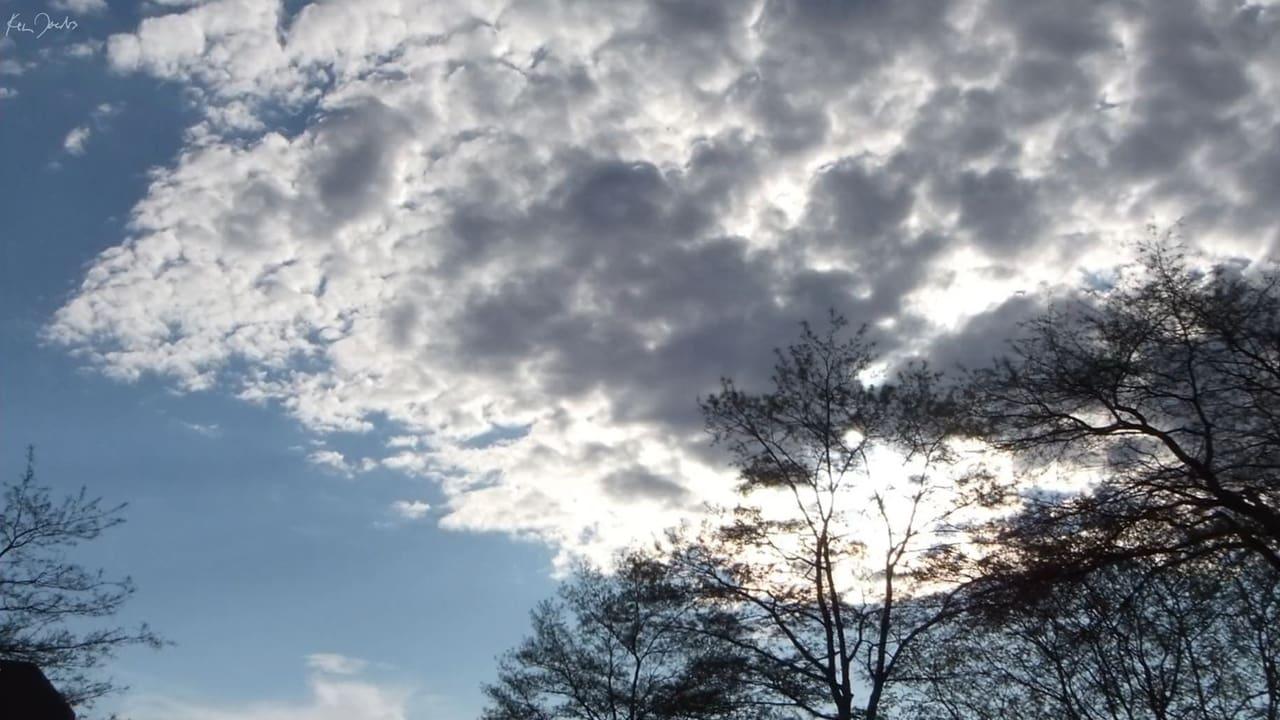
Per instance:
(572,220)
(76,140)
(335,664)
(337,462)
(334,695)
(82,50)
(210,430)
(641,485)
(410,509)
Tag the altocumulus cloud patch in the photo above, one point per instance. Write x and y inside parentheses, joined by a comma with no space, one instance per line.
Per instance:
(574,217)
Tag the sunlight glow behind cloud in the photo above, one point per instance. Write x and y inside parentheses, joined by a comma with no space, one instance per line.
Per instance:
(526,214)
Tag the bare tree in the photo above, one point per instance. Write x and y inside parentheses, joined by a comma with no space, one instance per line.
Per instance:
(48,603)
(1169,383)
(619,647)
(821,614)
(1131,641)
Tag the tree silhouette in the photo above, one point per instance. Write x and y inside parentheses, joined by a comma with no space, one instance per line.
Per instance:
(1131,641)
(823,615)
(1167,384)
(852,579)
(620,647)
(48,603)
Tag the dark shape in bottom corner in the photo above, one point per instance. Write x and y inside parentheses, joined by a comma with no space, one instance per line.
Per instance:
(26,694)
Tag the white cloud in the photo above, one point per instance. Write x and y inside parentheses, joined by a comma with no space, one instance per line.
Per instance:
(86,49)
(330,458)
(331,698)
(76,140)
(106,110)
(230,46)
(335,664)
(530,234)
(410,509)
(210,430)
(337,461)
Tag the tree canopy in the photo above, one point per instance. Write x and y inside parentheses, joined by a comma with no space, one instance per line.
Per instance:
(822,582)
(621,647)
(874,568)
(1165,388)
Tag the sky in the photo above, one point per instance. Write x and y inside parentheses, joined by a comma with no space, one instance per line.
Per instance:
(379,313)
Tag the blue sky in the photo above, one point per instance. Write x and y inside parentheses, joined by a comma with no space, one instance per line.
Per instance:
(378,313)
(248,557)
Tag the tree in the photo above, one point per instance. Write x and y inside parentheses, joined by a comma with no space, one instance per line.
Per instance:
(1131,641)
(48,603)
(821,614)
(619,647)
(1169,383)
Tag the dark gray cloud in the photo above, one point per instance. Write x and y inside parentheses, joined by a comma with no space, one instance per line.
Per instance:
(353,165)
(985,336)
(962,125)
(638,484)
(1064,30)
(855,203)
(1190,78)
(1000,208)
(790,122)
(837,42)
